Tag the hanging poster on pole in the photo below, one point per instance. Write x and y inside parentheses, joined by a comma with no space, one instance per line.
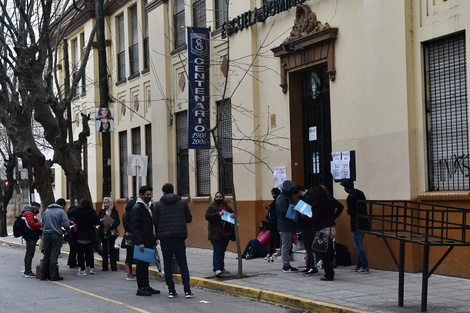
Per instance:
(198,104)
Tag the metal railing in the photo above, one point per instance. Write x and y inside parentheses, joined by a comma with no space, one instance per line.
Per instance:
(418,222)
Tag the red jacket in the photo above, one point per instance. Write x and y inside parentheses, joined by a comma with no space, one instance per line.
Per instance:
(31,225)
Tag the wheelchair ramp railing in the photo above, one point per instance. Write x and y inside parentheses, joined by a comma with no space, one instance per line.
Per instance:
(420,223)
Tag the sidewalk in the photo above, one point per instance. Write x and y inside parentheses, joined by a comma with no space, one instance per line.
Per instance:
(376,292)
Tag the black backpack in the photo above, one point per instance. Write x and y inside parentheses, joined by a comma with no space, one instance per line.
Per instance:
(18,228)
(343,256)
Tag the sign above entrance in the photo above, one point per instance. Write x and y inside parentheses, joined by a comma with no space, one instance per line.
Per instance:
(250,18)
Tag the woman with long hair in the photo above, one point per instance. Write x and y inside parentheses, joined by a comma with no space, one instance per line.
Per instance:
(108,233)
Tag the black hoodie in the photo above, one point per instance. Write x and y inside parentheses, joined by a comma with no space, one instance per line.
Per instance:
(171,216)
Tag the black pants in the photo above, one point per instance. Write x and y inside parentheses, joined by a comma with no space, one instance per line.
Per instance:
(326,258)
(307,237)
(108,248)
(85,254)
(142,274)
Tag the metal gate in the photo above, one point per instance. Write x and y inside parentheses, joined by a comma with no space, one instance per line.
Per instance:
(316,128)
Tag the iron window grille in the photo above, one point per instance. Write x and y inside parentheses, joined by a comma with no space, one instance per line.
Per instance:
(134,58)
(221,13)
(123,160)
(121,57)
(148,148)
(203,163)
(182,153)
(136,149)
(179,24)
(199,13)
(225,143)
(447,113)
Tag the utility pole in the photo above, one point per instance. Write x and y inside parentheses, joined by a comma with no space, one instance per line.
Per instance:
(104,97)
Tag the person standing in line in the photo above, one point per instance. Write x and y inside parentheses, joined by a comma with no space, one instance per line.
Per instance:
(108,234)
(286,226)
(31,235)
(126,222)
(275,240)
(306,229)
(324,222)
(220,232)
(356,208)
(86,219)
(143,236)
(170,218)
(53,220)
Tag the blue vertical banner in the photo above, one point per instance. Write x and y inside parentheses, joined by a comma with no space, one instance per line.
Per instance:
(198,71)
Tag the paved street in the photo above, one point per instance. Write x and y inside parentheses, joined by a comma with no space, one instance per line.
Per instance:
(376,292)
(106,292)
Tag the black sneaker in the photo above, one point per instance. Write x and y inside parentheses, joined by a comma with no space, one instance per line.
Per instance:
(143,292)
(312,272)
(188,294)
(324,278)
(289,269)
(305,271)
(152,291)
(172,294)
(56,278)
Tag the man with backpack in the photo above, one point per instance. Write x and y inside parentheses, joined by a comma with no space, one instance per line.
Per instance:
(31,233)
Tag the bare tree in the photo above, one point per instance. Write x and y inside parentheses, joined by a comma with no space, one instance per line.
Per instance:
(10,161)
(30,32)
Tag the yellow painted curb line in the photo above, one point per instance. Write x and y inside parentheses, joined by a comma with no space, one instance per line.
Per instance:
(256,293)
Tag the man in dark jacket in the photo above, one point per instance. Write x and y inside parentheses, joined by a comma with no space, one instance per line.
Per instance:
(143,236)
(31,234)
(356,208)
(286,226)
(170,217)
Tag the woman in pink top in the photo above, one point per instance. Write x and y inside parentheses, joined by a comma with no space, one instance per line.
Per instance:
(258,247)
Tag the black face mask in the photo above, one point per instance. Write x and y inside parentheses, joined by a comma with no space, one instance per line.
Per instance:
(261,228)
(219,201)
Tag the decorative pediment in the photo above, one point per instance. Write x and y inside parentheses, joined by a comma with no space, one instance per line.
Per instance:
(305,24)
(309,42)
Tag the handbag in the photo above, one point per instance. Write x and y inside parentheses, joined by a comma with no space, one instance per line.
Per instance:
(320,242)
(126,241)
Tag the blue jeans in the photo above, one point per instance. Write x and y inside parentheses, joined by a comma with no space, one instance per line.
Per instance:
(361,254)
(255,248)
(52,244)
(175,247)
(220,246)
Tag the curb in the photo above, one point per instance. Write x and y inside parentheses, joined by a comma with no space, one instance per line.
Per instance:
(251,292)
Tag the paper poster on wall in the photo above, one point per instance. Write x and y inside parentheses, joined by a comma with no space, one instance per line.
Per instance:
(104,120)
(316,162)
(312,133)
(343,165)
(279,176)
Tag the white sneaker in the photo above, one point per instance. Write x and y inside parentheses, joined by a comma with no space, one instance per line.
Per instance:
(218,272)
(267,256)
(92,271)
(81,273)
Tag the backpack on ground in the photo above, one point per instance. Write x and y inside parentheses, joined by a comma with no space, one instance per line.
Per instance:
(342,255)
(18,228)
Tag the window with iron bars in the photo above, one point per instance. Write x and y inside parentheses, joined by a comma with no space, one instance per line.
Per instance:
(447,113)
(123,160)
(146,41)
(134,48)
(182,153)
(148,148)
(203,171)
(199,13)
(221,13)
(224,141)
(179,24)
(121,56)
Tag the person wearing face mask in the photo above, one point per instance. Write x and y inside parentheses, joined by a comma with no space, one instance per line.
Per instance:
(31,234)
(271,216)
(258,247)
(220,232)
(108,233)
(143,236)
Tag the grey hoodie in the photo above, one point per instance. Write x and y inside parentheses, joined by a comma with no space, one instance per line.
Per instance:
(283,201)
(53,219)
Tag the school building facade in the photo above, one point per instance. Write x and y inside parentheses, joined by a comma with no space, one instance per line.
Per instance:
(300,84)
